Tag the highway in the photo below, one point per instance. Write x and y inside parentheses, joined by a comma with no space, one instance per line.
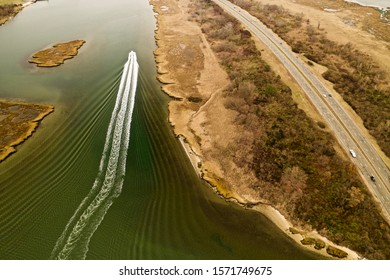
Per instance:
(349,135)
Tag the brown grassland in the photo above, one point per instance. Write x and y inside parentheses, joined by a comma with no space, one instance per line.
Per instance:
(18,121)
(254,142)
(293,160)
(8,10)
(57,54)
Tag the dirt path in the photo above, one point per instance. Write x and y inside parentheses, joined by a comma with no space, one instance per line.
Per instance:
(192,75)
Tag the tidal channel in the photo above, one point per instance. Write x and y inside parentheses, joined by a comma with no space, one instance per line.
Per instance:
(164,210)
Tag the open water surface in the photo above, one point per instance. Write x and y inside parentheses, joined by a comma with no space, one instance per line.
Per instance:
(382,4)
(162,210)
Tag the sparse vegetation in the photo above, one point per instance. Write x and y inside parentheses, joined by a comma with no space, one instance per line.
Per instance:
(333,251)
(195,99)
(293,159)
(321,124)
(318,244)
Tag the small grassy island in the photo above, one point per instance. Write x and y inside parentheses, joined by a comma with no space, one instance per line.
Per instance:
(57,54)
(17,122)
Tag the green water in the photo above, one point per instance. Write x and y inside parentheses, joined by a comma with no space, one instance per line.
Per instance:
(164,210)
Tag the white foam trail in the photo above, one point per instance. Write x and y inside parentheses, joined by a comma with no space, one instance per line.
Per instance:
(73,242)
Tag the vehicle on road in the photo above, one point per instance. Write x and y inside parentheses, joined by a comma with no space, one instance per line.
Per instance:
(344,127)
(372,177)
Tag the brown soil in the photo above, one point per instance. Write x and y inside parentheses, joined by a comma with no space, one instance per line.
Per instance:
(192,75)
(188,69)
(18,121)
(56,55)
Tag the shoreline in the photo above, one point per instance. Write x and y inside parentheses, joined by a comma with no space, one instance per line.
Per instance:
(195,157)
(382,8)
(33,125)
(28,3)
(20,8)
(56,55)
(269,212)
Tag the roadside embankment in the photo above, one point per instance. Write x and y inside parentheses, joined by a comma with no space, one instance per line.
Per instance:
(191,73)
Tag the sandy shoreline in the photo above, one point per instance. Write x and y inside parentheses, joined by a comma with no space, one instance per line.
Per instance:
(28,3)
(186,119)
(270,212)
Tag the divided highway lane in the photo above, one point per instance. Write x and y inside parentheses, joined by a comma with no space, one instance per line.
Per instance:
(347,132)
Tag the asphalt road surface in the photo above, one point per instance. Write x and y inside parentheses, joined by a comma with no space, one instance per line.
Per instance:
(349,135)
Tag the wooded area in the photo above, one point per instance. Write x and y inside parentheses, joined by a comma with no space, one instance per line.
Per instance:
(292,157)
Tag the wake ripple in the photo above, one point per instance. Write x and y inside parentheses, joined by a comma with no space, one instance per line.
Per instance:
(73,242)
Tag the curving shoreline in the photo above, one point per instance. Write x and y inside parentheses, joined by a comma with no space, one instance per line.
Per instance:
(374,5)
(18,8)
(268,211)
(24,128)
(184,126)
(27,124)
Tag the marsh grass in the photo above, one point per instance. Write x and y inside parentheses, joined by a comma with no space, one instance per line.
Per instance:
(296,167)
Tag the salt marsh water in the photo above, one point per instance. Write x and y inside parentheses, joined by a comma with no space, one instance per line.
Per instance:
(163,209)
(383,4)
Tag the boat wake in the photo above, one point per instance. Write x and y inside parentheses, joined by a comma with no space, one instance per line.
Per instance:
(73,242)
